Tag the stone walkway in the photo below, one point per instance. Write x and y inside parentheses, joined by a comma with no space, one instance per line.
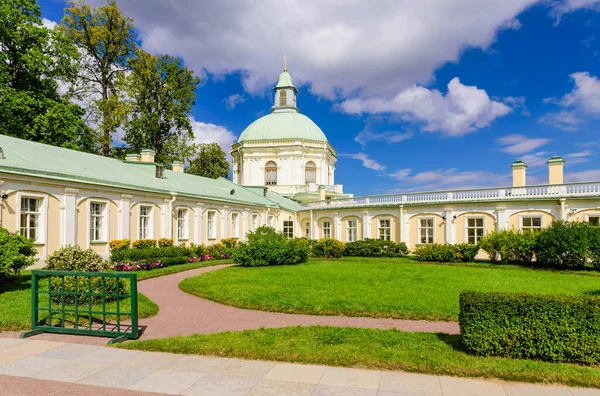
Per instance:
(89,367)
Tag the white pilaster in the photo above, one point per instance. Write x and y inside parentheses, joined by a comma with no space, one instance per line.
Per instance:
(225,223)
(501,218)
(337,227)
(124,213)
(69,226)
(449,226)
(403,225)
(366,219)
(198,224)
(244,225)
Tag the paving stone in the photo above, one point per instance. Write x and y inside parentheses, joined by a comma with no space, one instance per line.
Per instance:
(70,351)
(517,389)
(245,368)
(280,388)
(29,366)
(198,364)
(452,386)
(71,371)
(155,360)
(117,376)
(330,390)
(296,373)
(31,348)
(351,378)
(167,381)
(413,384)
(385,393)
(585,392)
(9,342)
(108,355)
(221,385)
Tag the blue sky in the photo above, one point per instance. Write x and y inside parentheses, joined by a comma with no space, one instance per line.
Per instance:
(412,96)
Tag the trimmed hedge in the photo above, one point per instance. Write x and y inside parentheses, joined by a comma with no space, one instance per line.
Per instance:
(549,327)
(375,248)
(150,254)
(447,253)
(569,246)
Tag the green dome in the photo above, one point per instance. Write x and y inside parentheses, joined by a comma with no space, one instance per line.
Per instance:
(288,125)
(285,80)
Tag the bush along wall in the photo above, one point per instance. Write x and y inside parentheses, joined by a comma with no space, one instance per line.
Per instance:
(16,253)
(265,246)
(375,248)
(447,253)
(548,327)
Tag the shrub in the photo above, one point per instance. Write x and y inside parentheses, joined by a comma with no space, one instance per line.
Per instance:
(198,250)
(497,245)
(327,247)
(509,246)
(548,327)
(150,254)
(165,242)
(442,253)
(16,253)
(119,244)
(375,248)
(74,258)
(569,245)
(267,247)
(466,252)
(229,243)
(144,244)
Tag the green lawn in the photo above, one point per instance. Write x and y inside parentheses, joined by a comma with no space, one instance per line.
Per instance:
(375,349)
(394,288)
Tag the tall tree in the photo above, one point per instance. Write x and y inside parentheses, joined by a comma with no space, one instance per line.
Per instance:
(162,93)
(106,40)
(209,161)
(33,59)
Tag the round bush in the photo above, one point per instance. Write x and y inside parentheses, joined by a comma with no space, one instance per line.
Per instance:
(16,253)
(327,247)
(267,247)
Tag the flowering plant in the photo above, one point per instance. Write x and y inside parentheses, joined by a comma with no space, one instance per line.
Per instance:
(137,266)
(203,257)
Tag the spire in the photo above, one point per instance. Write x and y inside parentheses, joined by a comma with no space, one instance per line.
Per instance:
(284,62)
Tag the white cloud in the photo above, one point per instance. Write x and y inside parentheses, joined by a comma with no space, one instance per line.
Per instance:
(585,96)
(536,159)
(48,23)
(444,179)
(520,144)
(368,135)
(367,162)
(517,102)
(233,100)
(463,110)
(511,24)
(578,158)
(211,133)
(561,7)
(340,47)
(565,120)
(583,176)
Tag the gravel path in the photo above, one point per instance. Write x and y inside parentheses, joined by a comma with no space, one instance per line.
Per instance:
(184,314)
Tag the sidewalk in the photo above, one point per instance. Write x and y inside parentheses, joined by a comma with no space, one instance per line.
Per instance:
(92,366)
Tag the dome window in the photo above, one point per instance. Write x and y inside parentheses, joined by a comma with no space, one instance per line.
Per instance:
(311,172)
(282,98)
(271,173)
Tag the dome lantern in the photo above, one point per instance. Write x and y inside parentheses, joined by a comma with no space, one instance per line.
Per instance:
(285,93)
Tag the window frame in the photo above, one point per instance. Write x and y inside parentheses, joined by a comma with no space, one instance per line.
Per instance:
(420,227)
(328,228)
(271,221)
(522,217)
(235,225)
(467,228)
(587,216)
(254,222)
(105,220)
(271,169)
(387,230)
(186,223)
(211,224)
(150,224)
(283,97)
(310,168)
(43,213)
(288,228)
(349,228)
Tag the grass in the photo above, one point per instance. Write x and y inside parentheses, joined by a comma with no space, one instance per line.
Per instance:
(438,354)
(377,287)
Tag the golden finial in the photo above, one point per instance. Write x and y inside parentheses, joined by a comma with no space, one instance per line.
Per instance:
(284,62)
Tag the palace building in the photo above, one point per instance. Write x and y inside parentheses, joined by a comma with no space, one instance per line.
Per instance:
(283,176)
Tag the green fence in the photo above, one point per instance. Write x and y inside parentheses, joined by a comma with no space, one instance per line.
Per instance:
(85,303)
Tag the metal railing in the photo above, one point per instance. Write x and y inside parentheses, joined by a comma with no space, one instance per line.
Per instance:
(574,190)
(84,303)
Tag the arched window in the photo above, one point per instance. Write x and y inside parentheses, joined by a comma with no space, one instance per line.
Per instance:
(311,172)
(283,98)
(271,173)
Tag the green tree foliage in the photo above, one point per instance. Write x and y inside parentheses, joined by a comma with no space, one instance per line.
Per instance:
(209,161)
(105,37)
(33,59)
(162,92)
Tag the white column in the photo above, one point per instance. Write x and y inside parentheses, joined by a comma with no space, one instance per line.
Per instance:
(337,227)
(501,218)
(244,225)
(403,225)
(166,218)
(449,226)
(124,216)
(69,228)
(225,223)
(198,224)
(366,219)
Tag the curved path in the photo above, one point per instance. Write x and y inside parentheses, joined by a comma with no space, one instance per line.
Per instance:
(183,314)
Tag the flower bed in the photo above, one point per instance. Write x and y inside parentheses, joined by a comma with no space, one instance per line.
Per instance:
(136,266)
(167,262)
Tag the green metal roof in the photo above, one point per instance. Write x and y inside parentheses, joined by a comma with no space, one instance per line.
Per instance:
(285,125)
(285,80)
(36,159)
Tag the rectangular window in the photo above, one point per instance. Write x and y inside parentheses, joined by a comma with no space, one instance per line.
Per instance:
(272,221)
(385,230)
(211,225)
(326,229)
(307,230)
(146,222)
(235,225)
(426,230)
(30,217)
(288,229)
(96,221)
(594,220)
(474,230)
(254,222)
(282,98)
(352,230)
(182,224)
(531,223)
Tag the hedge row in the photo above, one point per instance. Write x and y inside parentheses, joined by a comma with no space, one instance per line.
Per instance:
(122,250)
(548,327)
(447,253)
(375,248)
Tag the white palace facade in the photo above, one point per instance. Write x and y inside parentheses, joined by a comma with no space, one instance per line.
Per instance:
(283,176)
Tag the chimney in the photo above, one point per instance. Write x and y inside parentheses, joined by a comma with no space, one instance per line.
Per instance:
(133,157)
(177,166)
(321,193)
(518,170)
(147,155)
(555,170)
